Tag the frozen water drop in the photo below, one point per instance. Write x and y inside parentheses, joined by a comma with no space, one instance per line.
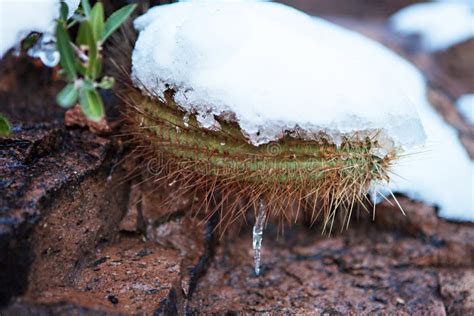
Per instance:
(186,120)
(377,193)
(45,49)
(207,120)
(258,236)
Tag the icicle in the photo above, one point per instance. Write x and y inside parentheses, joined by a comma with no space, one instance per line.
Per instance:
(258,235)
(45,49)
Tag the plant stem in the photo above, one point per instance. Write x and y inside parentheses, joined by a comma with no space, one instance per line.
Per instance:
(80,53)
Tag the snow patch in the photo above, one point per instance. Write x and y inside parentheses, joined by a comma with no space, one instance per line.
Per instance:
(465,105)
(440,24)
(20,18)
(277,69)
(440,174)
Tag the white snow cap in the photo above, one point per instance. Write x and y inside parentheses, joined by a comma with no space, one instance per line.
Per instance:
(18,18)
(442,174)
(276,68)
(440,24)
(465,105)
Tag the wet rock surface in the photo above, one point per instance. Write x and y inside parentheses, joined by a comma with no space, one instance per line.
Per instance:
(364,9)
(63,201)
(50,172)
(129,276)
(456,288)
(83,234)
(397,265)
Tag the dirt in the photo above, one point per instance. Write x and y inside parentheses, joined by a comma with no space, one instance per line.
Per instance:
(83,233)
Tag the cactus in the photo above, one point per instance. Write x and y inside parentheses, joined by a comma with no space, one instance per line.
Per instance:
(290,175)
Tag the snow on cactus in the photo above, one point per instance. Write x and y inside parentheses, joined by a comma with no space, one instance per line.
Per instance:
(442,173)
(276,69)
(259,100)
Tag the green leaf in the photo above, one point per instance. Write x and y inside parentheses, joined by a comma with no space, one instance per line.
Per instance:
(86,7)
(5,126)
(117,18)
(64,11)
(80,67)
(107,82)
(68,96)
(89,41)
(91,103)
(65,50)
(29,41)
(97,68)
(97,21)
(81,38)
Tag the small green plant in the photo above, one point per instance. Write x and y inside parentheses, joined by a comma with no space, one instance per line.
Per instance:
(81,61)
(4,126)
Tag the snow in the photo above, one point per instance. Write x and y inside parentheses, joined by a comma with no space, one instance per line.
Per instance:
(442,173)
(440,24)
(276,69)
(465,105)
(20,18)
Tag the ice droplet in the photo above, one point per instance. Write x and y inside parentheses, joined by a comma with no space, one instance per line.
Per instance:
(186,120)
(45,49)
(207,120)
(258,235)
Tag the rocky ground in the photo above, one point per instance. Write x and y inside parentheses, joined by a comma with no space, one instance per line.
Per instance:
(81,234)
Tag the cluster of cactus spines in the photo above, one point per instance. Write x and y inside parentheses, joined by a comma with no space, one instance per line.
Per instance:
(291,175)
(227,175)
